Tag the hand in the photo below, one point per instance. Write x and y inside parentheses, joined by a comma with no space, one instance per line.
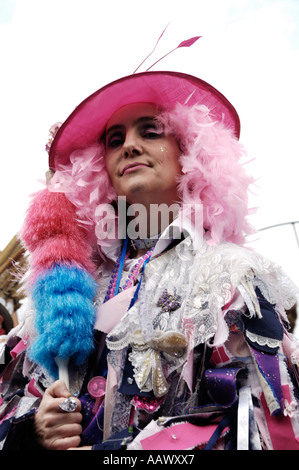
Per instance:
(81,448)
(56,429)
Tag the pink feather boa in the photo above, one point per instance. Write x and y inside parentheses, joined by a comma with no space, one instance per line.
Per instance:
(213,171)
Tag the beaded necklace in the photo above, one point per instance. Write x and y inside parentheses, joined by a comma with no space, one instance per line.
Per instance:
(114,285)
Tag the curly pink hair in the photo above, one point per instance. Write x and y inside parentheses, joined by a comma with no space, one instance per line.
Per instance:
(213,174)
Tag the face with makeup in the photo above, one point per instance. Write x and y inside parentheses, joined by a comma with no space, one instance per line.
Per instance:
(142,162)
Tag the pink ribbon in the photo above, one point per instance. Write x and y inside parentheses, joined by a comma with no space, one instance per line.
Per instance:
(179,437)
(111,312)
(280,427)
(20,347)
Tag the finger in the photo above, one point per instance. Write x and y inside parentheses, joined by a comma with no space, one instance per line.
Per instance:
(51,420)
(50,405)
(58,389)
(80,448)
(64,443)
(63,431)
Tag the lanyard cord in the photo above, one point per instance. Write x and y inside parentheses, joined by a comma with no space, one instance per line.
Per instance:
(120,270)
(121,265)
(139,284)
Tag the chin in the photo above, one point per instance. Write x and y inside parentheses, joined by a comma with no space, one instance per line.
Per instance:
(136,190)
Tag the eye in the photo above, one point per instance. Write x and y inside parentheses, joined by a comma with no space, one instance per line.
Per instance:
(114,140)
(151,131)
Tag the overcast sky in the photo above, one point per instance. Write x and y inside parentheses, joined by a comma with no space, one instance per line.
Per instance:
(54,53)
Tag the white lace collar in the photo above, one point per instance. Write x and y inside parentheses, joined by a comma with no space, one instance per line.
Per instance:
(173,231)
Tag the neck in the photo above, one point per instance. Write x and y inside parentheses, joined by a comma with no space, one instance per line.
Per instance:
(149,220)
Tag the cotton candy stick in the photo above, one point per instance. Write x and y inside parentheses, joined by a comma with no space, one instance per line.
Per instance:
(63,373)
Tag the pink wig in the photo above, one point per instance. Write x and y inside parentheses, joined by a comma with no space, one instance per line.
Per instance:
(213,175)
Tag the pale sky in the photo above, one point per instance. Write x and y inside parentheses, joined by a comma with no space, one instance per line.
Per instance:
(54,53)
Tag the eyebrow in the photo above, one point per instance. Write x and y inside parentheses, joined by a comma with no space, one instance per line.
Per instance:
(121,126)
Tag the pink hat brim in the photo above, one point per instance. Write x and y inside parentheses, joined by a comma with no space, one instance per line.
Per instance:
(87,122)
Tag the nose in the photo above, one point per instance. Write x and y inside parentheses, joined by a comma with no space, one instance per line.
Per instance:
(131,145)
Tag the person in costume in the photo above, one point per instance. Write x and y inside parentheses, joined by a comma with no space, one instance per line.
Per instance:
(6,322)
(176,338)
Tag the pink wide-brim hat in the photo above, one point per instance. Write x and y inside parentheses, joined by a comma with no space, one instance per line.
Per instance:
(86,124)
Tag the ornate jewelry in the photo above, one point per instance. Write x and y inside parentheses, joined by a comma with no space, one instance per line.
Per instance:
(68,405)
(168,302)
(144,243)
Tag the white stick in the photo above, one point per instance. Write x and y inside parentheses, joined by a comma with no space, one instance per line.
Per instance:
(63,373)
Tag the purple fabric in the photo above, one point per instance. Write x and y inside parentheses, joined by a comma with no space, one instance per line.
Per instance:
(221,385)
(92,424)
(268,365)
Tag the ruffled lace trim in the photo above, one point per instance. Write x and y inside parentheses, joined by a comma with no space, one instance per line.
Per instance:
(202,282)
(262,340)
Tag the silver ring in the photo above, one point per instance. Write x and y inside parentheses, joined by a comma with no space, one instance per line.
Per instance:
(68,405)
